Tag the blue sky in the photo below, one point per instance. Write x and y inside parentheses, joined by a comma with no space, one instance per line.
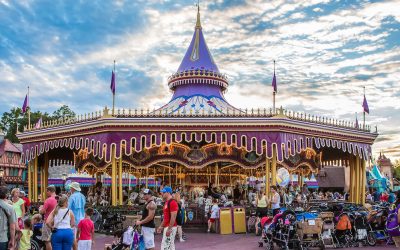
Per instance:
(326,52)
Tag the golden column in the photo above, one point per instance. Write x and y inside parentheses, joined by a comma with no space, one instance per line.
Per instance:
(273,168)
(351,186)
(147,177)
(363,181)
(30,179)
(35,179)
(113,177)
(42,178)
(357,181)
(121,198)
(216,174)
(46,173)
(267,176)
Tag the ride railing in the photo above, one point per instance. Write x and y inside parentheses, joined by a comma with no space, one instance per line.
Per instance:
(190,113)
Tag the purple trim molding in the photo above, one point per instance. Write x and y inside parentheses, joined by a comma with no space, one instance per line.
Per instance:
(262,142)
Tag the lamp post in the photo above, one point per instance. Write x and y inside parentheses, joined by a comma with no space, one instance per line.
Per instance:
(64,178)
(2,182)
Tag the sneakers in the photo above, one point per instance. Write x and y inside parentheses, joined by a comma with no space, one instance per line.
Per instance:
(181,240)
(208,231)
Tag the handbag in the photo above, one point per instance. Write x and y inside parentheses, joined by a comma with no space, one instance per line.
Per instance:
(54,230)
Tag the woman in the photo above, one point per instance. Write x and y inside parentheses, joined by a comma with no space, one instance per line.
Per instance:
(19,206)
(275,201)
(61,221)
(262,208)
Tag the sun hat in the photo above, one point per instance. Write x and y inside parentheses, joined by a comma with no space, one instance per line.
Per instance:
(76,186)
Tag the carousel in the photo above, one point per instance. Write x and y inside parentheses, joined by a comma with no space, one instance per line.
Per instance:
(198,138)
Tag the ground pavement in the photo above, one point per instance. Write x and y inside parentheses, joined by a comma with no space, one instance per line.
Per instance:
(197,241)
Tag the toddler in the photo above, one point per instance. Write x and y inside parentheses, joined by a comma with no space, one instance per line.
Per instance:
(85,234)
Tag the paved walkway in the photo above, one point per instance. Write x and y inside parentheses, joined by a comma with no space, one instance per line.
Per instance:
(197,241)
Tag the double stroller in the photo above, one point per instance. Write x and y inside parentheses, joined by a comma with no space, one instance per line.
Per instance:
(281,230)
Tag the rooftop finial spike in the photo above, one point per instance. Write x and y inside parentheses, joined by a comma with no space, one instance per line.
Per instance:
(198,24)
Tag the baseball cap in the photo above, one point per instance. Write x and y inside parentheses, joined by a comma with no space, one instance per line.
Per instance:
(166,189)
(147,191)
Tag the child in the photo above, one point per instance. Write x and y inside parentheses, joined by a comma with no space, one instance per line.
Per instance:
(85,234)
(214,214)
(37,225)
(25,241)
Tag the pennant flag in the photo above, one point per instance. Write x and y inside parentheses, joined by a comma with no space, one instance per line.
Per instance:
(356,126)
(25,105)
(365,105)
(112,86)
(39,123)
(274,83)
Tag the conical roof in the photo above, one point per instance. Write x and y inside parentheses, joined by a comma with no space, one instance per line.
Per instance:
(198,57)
(198,85)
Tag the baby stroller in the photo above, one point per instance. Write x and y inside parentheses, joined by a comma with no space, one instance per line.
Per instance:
(36,239)
(377,224)
(328,227)
(310,233)
(360,230)
(284,233)
(252,222)
(97,220)
(123,239)
(267,226)
(343,236)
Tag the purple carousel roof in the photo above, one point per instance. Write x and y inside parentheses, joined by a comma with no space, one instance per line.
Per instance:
(198,85)
(198,57)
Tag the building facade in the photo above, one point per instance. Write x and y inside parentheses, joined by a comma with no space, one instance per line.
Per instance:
(14,171)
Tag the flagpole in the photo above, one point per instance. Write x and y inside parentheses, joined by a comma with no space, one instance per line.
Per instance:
(29,112)
(113,94)
(364,112)
(16,122)
(274,94)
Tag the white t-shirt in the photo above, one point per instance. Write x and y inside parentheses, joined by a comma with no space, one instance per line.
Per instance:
(214,211)
(276,205)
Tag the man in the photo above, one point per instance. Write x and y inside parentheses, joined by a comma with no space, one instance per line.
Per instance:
(236,194)
(147,221)
(49,204)
(169,225)
(76,203)
(8,222)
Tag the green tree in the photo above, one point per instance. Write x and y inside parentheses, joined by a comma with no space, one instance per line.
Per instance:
(9,120)
(64,112)
(396,169)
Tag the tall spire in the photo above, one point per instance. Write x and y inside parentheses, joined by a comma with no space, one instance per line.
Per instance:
(198,85)
(198,24)
(197,56)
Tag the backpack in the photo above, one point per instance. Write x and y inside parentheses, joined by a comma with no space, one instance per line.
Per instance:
(392,224)
(343,223)
(8,221)
(180,216)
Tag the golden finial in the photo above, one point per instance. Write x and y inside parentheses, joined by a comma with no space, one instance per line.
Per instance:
(198,24)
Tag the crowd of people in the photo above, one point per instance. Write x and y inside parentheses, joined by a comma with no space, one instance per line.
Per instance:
(62,221)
